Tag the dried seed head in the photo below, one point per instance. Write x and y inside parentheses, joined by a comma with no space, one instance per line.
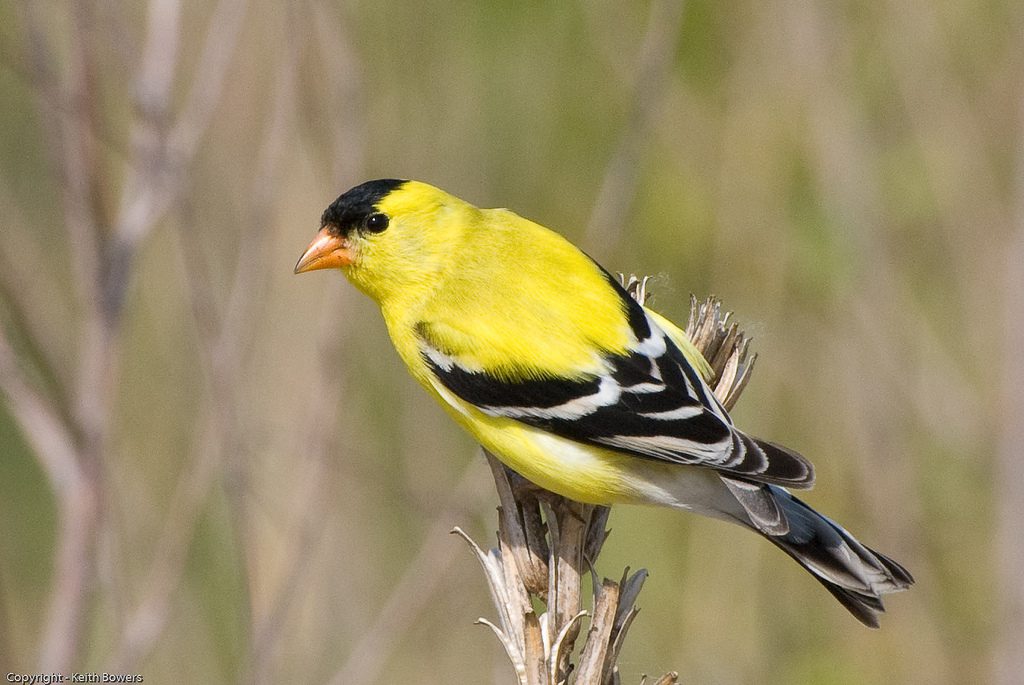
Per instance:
(723,344)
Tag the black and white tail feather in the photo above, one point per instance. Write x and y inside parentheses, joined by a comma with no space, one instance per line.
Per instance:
(651,403)
(855,575)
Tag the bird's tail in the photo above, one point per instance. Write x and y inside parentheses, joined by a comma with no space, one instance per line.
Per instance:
(855,575)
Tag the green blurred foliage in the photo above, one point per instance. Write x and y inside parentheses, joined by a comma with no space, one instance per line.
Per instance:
(841,174)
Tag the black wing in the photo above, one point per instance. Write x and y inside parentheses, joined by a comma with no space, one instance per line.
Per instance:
(650,403)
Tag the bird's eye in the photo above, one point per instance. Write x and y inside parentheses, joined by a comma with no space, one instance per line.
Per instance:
(375,223)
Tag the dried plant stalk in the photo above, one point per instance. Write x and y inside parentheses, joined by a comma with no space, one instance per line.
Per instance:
(547,543)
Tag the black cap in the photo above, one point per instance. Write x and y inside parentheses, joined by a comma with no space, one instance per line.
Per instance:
(354,205)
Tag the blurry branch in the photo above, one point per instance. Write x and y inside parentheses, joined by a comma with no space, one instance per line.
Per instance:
(45,429)
(34,339)
(961,169)
(72,456)
(66,130)
(1008,657)
(841,150)
(148,163)
(223,335)
(163,150)
(69,428)
(345,109)
(652,73)
(547,543)
(949,129)
(144,623)
(207,88)
(345,130)
(222,338)
(412,593)
(315,448)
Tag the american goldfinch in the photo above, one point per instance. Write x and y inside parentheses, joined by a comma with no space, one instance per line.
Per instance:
(542,356)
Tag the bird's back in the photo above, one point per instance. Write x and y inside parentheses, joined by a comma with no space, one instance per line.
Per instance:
(554,304)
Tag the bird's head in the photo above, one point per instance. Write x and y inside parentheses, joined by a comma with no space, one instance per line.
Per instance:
(388,236)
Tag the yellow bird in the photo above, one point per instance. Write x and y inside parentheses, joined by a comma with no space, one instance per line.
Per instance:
(542,356)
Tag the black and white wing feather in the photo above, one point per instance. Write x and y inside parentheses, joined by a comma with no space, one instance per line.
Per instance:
(650,403)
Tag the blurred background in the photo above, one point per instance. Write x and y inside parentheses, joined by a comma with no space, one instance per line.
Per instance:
(214,471)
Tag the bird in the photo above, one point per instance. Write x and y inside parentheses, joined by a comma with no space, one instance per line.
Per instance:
(541,355)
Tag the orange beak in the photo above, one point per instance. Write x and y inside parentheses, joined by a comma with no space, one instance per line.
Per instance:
(327,251)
